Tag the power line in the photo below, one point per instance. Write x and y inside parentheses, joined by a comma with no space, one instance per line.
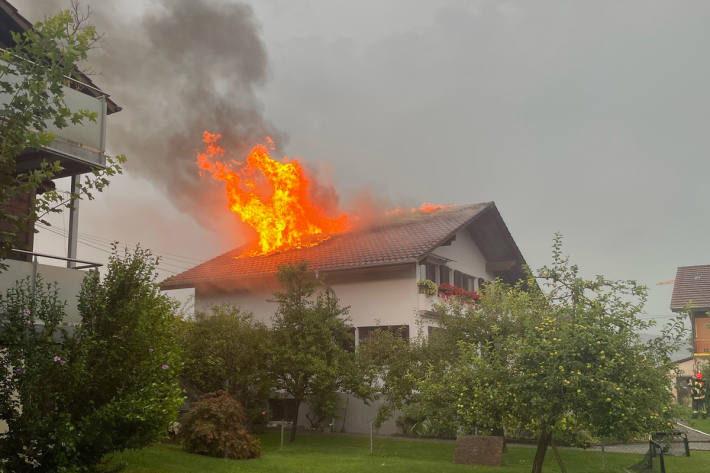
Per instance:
(106,248)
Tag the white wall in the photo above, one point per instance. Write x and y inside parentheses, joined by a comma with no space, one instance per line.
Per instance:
(68,283)
(354,416)
(465,256)
(374,298)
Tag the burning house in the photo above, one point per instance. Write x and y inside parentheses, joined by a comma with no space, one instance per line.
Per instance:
(374,267)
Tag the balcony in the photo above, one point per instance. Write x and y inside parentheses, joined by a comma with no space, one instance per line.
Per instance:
(78,147)
(426,304)
(68,280)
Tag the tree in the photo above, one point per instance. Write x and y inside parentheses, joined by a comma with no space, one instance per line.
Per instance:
(310,333)
(69,399)
(32,74)
(571,361)
(389,366)
(227,349)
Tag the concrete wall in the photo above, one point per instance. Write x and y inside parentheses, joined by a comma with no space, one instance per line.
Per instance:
(68,282)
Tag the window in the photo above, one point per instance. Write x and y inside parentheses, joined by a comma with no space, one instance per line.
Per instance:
(365,333)
(431,271)
(349,343)
(282,409)
(458,279)
(444,277)
(432,330)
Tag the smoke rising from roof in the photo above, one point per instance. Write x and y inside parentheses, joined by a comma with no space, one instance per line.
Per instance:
(178,68)
(184,67)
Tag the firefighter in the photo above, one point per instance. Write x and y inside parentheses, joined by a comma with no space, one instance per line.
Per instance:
(697,394)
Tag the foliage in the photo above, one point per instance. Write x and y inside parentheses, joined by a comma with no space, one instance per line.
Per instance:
(32,74)
(389,364)
(216,426)
(564,360)
(428,287)
(113,384)
(310,334)
(227,349)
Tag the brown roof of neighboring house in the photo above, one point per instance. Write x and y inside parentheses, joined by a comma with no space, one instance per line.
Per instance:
(692,284)
(400,239)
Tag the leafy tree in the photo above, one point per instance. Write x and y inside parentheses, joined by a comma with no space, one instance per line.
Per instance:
(32,74)
(390,366)
(310,333)
(227,349)
(68,399)
(132,356)
(571,360)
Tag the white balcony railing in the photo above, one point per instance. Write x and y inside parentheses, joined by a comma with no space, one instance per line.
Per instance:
(85,141)
(426,303)
(87,136)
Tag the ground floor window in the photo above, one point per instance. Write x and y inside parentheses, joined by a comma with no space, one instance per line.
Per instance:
(282,409)
(365,333)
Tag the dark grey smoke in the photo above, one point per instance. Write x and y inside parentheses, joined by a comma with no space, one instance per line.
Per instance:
(178,68)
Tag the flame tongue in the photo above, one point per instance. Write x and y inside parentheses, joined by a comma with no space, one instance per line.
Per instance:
(271,197)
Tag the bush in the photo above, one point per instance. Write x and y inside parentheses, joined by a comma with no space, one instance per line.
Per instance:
(227,349)
(68,399)
(215,426)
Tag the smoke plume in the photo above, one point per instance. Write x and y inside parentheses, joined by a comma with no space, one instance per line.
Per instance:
(178,68)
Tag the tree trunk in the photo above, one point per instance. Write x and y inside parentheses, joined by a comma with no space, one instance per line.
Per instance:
(542,442)
(563,468)
(294,424)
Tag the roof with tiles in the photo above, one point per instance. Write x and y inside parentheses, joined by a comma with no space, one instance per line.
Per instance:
(692,284)
(403,238)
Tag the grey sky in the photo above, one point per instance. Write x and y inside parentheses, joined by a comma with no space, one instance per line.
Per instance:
(588,118)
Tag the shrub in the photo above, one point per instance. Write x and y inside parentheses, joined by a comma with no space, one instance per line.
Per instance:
(68,399)
(215,426)
(227,349)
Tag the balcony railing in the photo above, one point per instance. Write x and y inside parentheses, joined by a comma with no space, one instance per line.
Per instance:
(82,145)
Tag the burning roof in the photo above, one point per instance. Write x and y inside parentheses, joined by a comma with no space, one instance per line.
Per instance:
(406,237)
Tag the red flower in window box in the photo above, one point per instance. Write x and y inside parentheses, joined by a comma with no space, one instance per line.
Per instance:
(449,290)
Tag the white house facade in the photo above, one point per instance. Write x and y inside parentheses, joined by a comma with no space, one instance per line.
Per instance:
(374,271)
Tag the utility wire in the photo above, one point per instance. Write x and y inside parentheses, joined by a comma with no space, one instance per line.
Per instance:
(106,248)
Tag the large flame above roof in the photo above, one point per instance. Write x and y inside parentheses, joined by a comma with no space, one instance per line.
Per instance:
(272,197)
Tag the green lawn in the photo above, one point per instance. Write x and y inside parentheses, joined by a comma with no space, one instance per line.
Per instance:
(343,454)
(700,424)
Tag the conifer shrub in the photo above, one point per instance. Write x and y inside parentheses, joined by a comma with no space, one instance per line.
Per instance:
(216,426)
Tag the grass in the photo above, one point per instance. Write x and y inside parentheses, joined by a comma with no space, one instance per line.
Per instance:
(345,454)
(700,424)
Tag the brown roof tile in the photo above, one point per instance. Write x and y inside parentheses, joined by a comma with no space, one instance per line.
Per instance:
(401,239)
(692,284)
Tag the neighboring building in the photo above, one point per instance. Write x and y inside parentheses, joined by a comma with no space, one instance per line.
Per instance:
(374,271)
(80,149)
(691,290)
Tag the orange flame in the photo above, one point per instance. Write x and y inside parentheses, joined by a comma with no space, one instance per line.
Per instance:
(425,207)
(271,197)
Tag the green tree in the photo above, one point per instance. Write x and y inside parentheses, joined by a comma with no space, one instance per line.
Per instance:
(389,366)
(572,360)
(32,73)
(68,399)
(310,333)
(227,349)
